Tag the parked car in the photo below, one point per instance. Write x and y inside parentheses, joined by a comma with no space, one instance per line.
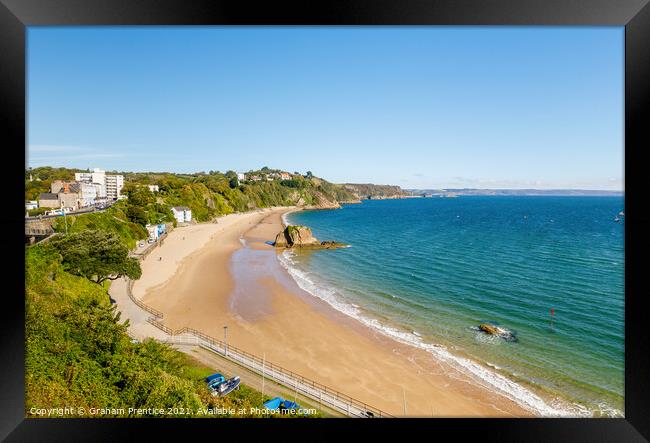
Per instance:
(141,244)
(151,240)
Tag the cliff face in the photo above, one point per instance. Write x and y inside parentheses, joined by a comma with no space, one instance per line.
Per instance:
(374,192)
(322,202)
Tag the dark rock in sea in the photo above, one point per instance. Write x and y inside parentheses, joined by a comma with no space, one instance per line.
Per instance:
(301,237)
(489,329)
(499,332)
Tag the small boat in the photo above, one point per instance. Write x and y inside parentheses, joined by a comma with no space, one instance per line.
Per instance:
(216,381)
(274,403)
(209,378)
(289,405)
(279,403)
(616,219)
(227,387)
(621,213)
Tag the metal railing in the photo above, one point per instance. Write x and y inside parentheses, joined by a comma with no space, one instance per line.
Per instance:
(149,309)
(38,231)
(317,391)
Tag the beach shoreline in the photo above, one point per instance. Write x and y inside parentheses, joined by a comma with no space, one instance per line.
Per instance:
(225,274)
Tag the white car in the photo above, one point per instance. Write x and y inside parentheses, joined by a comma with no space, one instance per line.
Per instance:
(141,244)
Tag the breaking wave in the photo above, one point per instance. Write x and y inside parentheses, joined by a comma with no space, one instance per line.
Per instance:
(485,376)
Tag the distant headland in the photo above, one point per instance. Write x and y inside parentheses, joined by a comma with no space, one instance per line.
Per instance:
(452,192)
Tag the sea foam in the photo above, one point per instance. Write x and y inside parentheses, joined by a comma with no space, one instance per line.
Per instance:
(486,377)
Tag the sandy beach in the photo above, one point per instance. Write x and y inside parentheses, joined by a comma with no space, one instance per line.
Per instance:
(212,275)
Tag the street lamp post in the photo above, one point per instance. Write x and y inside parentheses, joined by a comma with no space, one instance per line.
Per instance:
(65,219)
(225,339)
(263,361)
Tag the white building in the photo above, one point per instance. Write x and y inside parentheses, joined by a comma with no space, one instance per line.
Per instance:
(156,231)
(241,176)
(114,185)
(153,231)
(182,214)
(97,177)
(100,192)
(31,204)
(85,177)
(88,193)
(153,188)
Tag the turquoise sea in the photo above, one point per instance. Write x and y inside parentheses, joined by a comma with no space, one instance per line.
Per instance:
(428,271)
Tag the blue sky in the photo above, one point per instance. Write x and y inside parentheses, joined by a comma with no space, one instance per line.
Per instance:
(418,107)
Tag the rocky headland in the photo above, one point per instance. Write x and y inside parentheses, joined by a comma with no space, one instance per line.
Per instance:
(302,237)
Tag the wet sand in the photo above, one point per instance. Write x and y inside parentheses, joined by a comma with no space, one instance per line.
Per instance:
(211,280)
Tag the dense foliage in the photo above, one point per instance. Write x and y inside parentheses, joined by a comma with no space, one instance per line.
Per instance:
(41,179)
(78,353)
(208,195)
(96,255)
(113,219)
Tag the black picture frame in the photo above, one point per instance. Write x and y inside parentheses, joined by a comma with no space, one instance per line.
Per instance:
(634,15)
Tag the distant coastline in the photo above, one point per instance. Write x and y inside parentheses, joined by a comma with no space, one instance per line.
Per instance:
(523,192)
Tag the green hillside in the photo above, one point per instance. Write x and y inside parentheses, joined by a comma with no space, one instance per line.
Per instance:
(79,354)
(208,195)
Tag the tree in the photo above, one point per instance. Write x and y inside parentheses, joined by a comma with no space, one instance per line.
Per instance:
(137,215)
(140,196)
(234,182)
(97,256)
(309,174)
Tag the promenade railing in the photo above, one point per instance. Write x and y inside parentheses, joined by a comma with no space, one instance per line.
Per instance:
(317,391)
(149,309)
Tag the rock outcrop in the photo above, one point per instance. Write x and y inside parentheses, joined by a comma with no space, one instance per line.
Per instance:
(301,237)
(499,332)
(321,202)
(367,191)
(489,329)
(350,202)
